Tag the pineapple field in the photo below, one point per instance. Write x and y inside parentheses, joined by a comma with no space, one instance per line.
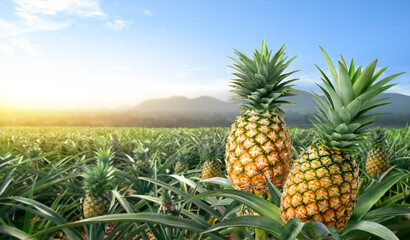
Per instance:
(259,179)
(135,183)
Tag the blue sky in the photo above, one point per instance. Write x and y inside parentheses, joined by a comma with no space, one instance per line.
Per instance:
(89,53)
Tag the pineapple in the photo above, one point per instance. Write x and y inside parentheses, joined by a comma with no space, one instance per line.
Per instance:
(97,184)
(143,164)
(377,158)
(324,181)
(259,143)
(211,167)
(168,206)
(35,156)
(182,164)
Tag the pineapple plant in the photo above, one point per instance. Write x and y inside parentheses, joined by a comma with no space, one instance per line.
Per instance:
(259,143)
(97,185)
(324,181)
(168,206)
(377,158)
(211,167)
(143,164)
(182,162)
(35,154)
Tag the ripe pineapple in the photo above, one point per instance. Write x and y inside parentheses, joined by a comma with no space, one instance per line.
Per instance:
(211,167)
(97,184)
(324,181)
(259,142)
(377,158)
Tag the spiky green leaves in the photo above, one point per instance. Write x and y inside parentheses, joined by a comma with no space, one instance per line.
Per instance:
(260,81)
(97,178)
(377,137)
(343,111)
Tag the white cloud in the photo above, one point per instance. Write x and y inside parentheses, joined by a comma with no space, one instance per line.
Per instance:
(148,13)
(34,15)
(118,24)
(84,8)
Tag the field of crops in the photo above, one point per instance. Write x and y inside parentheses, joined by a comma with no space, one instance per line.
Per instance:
(156,193)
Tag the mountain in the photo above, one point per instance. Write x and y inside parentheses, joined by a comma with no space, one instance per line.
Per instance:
(179,104)
(398,112)
(203,111)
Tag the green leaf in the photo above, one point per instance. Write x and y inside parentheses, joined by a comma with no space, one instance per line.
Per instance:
(224,182)
(392,210)
(364,80)
(274,192)
(373,194)
(344,88)
(44,211)
(370,227)
(124,203)
(156,218)
(264,223)
(6,181)
(351,69)
(258,204)
(15,232)
(292,229)
(331,67)
(184,195)
(318,230)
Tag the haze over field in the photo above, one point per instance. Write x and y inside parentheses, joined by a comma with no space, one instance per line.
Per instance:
(177,111)
(85,54)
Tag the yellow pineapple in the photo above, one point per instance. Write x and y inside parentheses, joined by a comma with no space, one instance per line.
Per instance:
(211,167)
(377,158)
(324,181)
(97,184)
(259,143)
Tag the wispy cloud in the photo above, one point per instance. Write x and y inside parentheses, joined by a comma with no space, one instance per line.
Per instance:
(38,15)
(148,13)
(84,8)
(118,24)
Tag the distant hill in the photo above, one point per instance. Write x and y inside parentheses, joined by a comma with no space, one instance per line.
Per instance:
(398,113)
(203,111)
(179,104)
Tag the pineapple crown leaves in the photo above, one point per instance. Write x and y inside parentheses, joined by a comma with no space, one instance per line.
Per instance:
(377,136)
(343,111)
(166,198)
(141,151)
(97,178)
(104,155)
(260,81)
(183,156)
(209,153)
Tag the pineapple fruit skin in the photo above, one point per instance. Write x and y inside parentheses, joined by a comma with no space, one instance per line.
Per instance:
(180,167)
(322,186)
(377,158)
(211,169)
(259,145)
(95,204)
